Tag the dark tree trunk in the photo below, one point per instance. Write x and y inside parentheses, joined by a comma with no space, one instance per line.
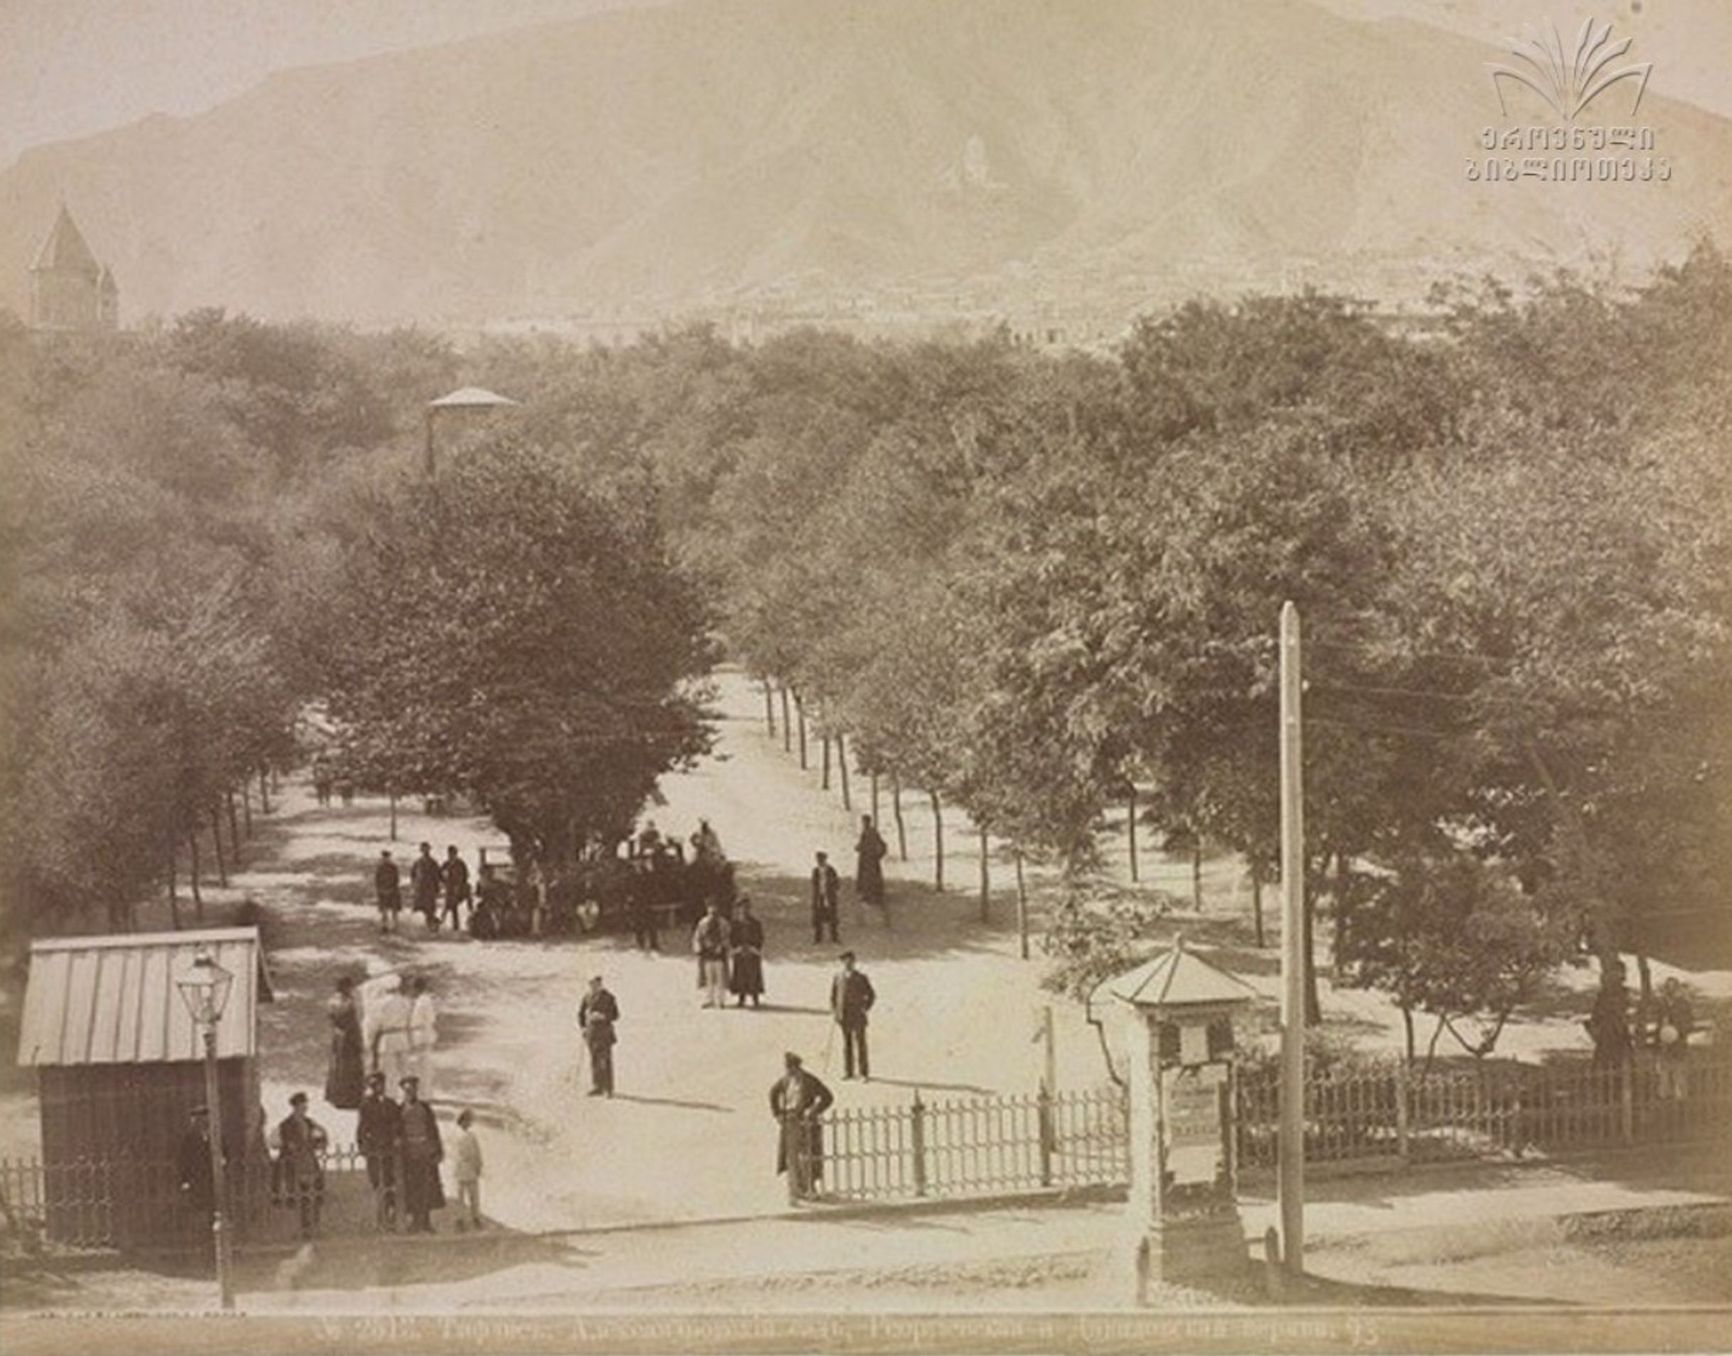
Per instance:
(234,828)
(769,709)
(247,807)
(1645,1000)
(1407,1030)
(197,898)
(896,811)
(1131,826)
(1021,907)
(875,820)
(842,769)
(173,890)
(1257,903)
(787,723)
(1197,872)
(800,715)
(824,775)
(1344,902)
(216,838)
(938,843)
(985,882)
(393,798)
(1313,1009)
(264,794)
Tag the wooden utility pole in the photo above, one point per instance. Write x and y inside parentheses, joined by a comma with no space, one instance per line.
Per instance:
(1290,1181)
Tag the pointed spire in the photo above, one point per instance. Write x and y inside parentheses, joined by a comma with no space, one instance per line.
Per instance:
(65,250)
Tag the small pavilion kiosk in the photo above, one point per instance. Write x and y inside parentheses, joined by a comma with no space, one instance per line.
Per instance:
(464,409)
(120,1066)
(1178,1015)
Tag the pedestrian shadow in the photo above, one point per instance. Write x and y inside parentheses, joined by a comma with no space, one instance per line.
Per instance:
(927,1085)
(672,1101)
(792,1007)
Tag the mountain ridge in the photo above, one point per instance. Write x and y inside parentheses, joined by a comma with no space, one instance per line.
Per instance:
(694,154)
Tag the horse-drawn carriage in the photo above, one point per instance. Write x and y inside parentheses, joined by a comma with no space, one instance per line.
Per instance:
(600,892)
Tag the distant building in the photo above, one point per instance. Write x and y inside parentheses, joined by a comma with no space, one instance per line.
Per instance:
(69,290)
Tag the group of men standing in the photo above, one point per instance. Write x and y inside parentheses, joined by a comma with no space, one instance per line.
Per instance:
(430,881)
(401,1144)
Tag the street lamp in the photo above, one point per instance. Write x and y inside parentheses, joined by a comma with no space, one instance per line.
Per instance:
(204,987)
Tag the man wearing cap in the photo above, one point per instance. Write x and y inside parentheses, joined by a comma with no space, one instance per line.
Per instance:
(596,1016)
(387,886)
(851,997)
(710,941)
(195,1166)
(797,1100)
(419,1153)
(376,1129)
(300,1170)
(826,898)
(425,880)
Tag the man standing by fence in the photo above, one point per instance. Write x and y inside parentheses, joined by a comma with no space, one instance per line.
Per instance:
(376,1130)
(797,1100)
(851,998)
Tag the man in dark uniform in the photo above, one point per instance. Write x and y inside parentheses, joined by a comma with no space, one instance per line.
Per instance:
(424,882)
(387,886)
(300,1168)
(195,1166)
(596,1016)
(851,998)
(376,1137)
(826,898)
(419,1152)
(797,1100)
(455,877)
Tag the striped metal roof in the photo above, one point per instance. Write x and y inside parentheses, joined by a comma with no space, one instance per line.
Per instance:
(1179,978)
(112,999)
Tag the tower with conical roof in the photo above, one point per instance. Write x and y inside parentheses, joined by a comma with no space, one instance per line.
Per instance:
(69,290)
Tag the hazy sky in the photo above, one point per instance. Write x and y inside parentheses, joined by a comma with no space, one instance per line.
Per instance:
(71,67)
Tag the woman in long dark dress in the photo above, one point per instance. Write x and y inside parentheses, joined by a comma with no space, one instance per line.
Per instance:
(345,1078)
(747,980)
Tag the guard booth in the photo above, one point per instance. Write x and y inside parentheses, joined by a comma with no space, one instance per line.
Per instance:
(1177,1010)
(120,1066)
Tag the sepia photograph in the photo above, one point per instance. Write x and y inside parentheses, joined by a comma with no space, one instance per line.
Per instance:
(865,676)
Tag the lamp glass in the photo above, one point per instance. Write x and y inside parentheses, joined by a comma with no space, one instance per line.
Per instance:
(204,988)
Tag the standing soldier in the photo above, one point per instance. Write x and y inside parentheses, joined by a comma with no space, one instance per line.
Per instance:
(641,894)
(596,1016)
(195,1167)
(826,898)
(869,853)
(424,881)
(851,998)
(455,874)
(710,940)
(301,1143)
(797,1100)
(376,1130)
(419,1152)
(387,886)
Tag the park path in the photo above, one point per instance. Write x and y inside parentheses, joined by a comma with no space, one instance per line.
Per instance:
(689,1133)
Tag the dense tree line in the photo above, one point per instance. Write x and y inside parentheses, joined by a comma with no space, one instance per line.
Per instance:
(1024,585)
